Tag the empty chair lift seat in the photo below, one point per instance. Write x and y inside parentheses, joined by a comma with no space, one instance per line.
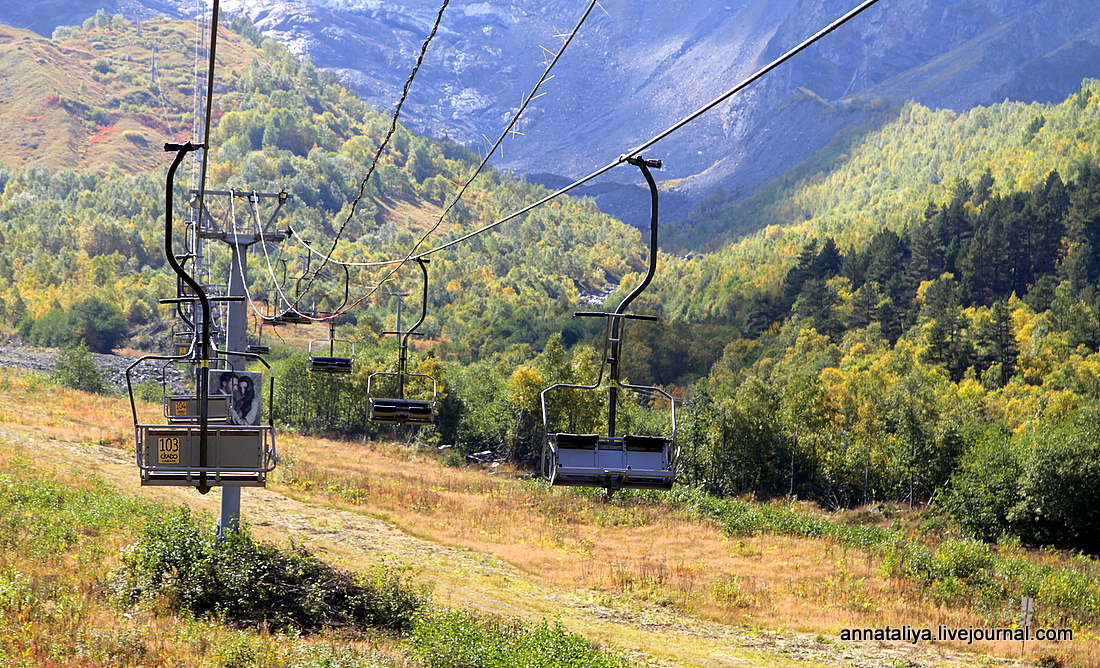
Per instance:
(322,364)
(401,411)
(639,462)
(236,456)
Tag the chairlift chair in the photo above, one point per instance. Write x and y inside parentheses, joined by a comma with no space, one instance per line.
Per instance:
(330,363)
(613,461)
(183,343)
(398,409)
(196,444)
(192,450)
(259,348)
(294,317)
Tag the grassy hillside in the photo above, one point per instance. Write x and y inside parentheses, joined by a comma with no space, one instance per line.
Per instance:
(95,99)
(86,220)
(682,581)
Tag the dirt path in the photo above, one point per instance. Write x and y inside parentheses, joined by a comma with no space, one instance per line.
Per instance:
(464,578)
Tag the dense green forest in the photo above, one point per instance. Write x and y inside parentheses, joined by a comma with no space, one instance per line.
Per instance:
(284,125)
(915,320)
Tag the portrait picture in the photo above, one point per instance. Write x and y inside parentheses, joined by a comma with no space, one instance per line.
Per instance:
(245,389)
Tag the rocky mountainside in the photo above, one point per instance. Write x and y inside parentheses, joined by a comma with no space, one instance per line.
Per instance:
(636,68)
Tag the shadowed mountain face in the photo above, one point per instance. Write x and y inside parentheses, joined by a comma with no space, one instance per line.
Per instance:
(636,68)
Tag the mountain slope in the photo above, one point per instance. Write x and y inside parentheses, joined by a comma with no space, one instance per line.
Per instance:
(882,178)
(97,100)
(634,69)
(74,223)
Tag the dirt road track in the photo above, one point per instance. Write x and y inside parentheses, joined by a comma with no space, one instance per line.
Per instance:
(462,578)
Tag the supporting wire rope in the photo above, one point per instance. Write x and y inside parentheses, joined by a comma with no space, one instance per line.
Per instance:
(534,94)
(209,103)
(381,147)
(633,153)
(242,256)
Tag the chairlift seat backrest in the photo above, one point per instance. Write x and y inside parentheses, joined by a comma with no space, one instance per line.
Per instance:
(185,408)
(401,411)
(324,364)
(576,441)
(259,350)
(645,443)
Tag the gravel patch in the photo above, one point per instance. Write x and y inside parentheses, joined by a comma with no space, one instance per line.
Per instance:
(113,366)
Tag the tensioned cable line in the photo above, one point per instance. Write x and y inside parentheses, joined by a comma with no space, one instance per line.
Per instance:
(515,119)
(379,150)
(243,257)
(209,102)
(534,94)
(753,78)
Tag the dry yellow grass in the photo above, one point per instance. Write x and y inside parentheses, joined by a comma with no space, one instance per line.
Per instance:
(621,556)
(630,550)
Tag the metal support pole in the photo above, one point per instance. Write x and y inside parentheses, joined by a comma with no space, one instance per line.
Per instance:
(236,333)
(615,324)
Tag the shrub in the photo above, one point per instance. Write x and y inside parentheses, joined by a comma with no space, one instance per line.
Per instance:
(97,324)
(1059,488)
(75,368)
(452,460)
(454,639)
(251,584)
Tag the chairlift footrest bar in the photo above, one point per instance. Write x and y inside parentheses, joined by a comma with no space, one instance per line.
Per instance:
(195,479)
(630,316)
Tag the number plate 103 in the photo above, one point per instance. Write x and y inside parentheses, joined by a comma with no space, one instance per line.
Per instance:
(168,450)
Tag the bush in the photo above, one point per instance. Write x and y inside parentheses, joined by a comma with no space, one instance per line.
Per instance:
(251,584)
(1059,489)
(452,460)
(453,639)
(75,368)
(93,322)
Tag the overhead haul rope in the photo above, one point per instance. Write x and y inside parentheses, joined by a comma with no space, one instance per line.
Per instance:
(209,104)
(284,299)
(633,153)
(378,151)
(243,257)
(270,268)
(533,95)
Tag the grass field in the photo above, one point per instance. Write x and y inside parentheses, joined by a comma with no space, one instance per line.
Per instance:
(649,580)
